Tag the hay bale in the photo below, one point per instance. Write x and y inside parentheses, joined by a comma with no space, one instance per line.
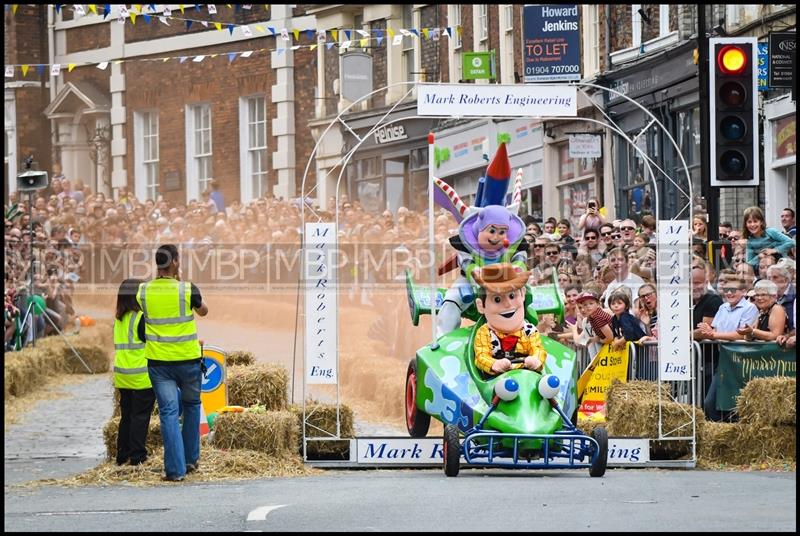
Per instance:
(768,401)
(111,431)
(745,443)
(272,432)
(321,421)
(632,410)
(96,356)
(239,358)
(265,384)
(27,369)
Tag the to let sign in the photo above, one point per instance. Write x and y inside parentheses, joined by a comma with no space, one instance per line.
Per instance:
(319,275)
(552,43)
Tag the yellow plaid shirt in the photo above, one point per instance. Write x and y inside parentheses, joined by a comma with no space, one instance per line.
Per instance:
(526,344)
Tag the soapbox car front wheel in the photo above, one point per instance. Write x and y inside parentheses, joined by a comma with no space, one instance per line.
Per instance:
(417,421)
(452,450)
(598,467)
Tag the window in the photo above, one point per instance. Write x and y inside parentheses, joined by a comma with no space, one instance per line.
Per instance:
(253,147)
(408,43)
(199,155)
(454,22)
(507,68)
(577,174)
(591,40)
(146,154)
(483,24)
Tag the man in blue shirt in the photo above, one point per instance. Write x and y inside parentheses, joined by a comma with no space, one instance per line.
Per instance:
(734,313)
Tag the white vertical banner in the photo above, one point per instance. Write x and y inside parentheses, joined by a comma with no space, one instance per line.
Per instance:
(674,300)
(319,277)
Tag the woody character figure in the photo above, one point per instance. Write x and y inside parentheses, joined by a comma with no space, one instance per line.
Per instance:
(506,335)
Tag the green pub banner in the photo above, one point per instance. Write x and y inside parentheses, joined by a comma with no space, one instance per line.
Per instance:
(739,363)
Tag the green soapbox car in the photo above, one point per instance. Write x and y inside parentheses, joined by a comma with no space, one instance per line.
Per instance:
(520,418)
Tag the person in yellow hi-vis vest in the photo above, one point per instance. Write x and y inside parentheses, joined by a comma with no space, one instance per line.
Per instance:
(136,396)
(174,359)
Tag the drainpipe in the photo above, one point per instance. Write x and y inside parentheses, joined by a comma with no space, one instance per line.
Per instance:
(51,55)
(608,38)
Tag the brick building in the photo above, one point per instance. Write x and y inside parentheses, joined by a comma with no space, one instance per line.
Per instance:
(119,115)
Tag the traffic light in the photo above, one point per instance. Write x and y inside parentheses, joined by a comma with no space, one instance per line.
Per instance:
(733,98)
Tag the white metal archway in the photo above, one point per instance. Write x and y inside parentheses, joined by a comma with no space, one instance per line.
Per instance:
(679,432)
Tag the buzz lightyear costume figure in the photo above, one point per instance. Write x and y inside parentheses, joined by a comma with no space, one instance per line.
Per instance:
(489,233)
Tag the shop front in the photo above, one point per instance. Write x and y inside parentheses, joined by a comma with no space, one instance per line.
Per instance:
(780,157)
(389,169)
(667,86)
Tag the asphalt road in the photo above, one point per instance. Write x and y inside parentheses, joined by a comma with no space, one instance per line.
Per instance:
(425,500)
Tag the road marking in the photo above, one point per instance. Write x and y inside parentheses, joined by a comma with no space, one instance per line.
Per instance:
(260,513)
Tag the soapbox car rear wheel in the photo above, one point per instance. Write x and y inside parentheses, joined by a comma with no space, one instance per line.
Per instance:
(417,421)
(598,467)
(452,450)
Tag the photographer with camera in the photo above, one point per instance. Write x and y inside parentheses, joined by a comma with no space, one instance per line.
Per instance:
(591,219)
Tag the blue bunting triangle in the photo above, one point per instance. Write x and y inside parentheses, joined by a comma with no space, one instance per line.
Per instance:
(310,34)
(272,30)
(379,35)
(231,56)
(230,28)
(40,70)
(58,7)
(188,24)
(414,31)
(106,10)
(329,44)
(347,33)
(146,18)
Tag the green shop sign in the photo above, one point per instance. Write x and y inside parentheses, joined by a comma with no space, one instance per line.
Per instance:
(478,65)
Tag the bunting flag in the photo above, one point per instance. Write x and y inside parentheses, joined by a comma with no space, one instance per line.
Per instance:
(180,6)
(9,71)
(167,12)
(204,23)
(329,44)
(309,34)
(272,30)
(247,31)
(426,32)
(345,44)
(212,9)
(363,43)
(182,59)
(40,70)
(55,69)
(198,59)
(231,56)
(93,8)
(285,34)
(260,28)
(448,32)
(335,35)
(146,18)
(58,8)
(296,33)
(347,34)
(312,47)
(133,17)
(102,65)
(363,33)
(390,32)
(106,10)
(246,53)
(70,67)
(164,20)
(218,26)
(230,28)
(415,32)
(398,39)
(379,37)
(79,10)
(188,24)
(25,70)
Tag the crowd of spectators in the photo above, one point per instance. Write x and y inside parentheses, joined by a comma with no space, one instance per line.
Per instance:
(603,259)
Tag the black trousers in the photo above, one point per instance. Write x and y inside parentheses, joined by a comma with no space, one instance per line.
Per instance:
(136,406)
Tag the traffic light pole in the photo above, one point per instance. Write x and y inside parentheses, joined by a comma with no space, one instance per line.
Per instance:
(709,193)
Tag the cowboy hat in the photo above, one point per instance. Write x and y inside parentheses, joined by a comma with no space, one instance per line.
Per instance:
(501,277)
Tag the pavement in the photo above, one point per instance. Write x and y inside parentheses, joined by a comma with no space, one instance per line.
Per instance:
(61,437)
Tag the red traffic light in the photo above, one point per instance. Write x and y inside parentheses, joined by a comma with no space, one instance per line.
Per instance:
(732,60)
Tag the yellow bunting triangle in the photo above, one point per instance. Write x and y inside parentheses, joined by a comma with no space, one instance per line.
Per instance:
(260,29)
(296,33)
(164,59)
(133,17)
(180,6)
(93,8)
(390,32)
(118,62)
(14,8)
(312,47)
(70,67)
(218,25)
(363,43)
(426,33)
(137,8)
(335,35)
(25,70)
(459,30)
(214,55)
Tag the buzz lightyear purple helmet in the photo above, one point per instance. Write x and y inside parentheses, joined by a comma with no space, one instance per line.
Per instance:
(482,217)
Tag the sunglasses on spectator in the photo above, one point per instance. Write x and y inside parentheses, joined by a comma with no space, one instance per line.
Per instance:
(730,290)
(538,246)
(588,237)
(605,234)
(628,228)
(616,236)
(552,252)
(734,237)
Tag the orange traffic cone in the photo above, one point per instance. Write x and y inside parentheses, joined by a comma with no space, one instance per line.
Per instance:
(204,428)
